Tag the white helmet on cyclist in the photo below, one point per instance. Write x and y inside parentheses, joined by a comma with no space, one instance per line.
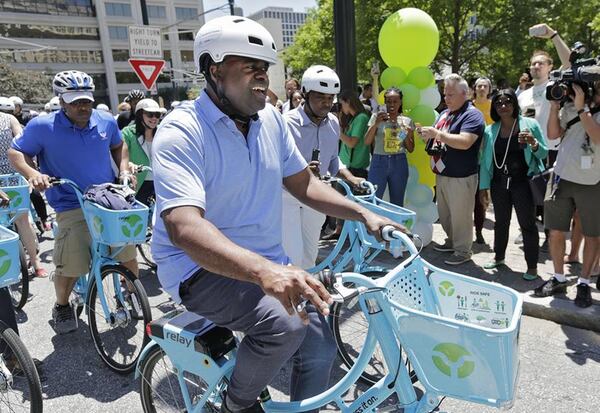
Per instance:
(233,36)
(17,101)
(73,85)
(321,79)
(102,106)
(6,105)
(47,107)
(54,104)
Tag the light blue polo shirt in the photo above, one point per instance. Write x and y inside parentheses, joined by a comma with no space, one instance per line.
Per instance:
(65,151)
(308,136)
(201,159)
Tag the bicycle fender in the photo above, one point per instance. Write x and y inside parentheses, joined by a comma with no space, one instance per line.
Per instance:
(143,354)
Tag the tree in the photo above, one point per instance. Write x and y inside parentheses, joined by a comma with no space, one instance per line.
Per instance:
(476,38)
(32,87)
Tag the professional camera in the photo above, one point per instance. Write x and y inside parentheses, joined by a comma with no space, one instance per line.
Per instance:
(435,148)
(582,72)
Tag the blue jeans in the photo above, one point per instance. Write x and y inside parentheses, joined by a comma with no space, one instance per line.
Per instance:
(390,170)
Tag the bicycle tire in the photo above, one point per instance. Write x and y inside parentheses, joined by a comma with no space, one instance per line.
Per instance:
(30,377)
(136,325)
(19,292)
(173,402)
(146,253)
(340,314)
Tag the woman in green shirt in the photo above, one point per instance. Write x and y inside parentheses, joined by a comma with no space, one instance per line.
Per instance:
(354,153)
(139,136)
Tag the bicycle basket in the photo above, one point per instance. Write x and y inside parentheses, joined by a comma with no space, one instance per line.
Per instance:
(394,212)
(10,265)
(117,228)
(17,189)
(461,333)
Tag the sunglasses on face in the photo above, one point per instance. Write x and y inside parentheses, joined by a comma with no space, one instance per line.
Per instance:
(501,102)
(152,114)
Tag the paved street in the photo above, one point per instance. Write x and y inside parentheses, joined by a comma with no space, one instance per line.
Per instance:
(560,365)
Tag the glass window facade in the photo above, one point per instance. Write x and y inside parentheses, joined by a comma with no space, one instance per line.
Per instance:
(120,55)
(186,34)
(48,32)
(54,7)
(187,56)
(118,9)
(157,12)
(53,56)
(118,32)
(185,12)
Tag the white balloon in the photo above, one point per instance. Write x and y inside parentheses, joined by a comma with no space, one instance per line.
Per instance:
(430,97)
(428,213)
(424,230)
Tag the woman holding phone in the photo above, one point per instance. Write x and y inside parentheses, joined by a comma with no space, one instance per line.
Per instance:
(392,135)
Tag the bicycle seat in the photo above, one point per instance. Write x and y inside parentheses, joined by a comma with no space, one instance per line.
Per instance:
(184,328)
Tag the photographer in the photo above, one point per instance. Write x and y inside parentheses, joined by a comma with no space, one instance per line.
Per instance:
(575,185)
(454,148)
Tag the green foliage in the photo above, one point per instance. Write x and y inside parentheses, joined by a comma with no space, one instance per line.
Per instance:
(498,46)
(32,87)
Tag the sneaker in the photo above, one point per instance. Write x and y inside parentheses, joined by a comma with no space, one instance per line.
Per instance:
(584,296)
(443,248)
(64,319)
(457,259)
(550,287)
(544,247)
(493,264)
(519,239)
(255,408)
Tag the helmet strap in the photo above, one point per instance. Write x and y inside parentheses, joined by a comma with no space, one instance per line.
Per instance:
(310,112)
(225,104)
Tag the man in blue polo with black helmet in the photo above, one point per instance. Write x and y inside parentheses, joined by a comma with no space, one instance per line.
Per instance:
(219,165)
(78,143)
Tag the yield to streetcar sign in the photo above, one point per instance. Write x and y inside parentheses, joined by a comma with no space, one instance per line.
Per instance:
(147,70)
(145,42)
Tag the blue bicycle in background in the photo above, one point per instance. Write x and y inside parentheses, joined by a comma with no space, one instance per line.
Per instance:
(474,357)
(116,302)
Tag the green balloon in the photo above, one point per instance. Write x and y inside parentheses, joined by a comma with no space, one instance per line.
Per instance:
(421,77)
(392,76)
(422,114)
(410,96)
(409,38)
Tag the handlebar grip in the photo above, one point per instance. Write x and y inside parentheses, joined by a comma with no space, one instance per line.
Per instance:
(389,233)
(55,180)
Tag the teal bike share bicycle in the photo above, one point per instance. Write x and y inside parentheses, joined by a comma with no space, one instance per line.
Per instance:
(460,334)
(17,189)
(116,302)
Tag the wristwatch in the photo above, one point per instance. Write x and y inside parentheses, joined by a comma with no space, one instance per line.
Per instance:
(583,110)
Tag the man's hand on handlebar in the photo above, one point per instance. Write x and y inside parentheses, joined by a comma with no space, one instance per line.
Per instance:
(293,286)
(375,223)
(128,178)
(39,181)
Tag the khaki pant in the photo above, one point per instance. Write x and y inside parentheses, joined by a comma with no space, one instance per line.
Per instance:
(455,202)
(72,253)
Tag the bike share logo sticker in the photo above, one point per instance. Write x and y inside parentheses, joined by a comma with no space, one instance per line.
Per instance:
(15,198)
(98,225)
(5,262)
(446,288)
(453,360)
(408,223)
(132,225)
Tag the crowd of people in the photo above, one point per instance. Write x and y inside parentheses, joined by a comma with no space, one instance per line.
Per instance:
(227,165)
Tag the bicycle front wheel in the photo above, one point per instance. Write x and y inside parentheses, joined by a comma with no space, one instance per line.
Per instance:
(350,328)
(20,387)
(144,250)
(160,390)
(19,292)
(119,336)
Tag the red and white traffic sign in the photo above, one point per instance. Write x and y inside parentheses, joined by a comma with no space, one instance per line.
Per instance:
(147,70)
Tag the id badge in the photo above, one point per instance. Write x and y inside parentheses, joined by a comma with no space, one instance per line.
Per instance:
(391,143)
(586,161)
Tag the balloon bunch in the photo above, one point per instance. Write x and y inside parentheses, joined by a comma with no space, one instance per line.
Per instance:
(408,43)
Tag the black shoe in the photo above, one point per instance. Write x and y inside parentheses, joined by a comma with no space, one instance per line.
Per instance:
(64,319)
(550,287)
(255,408)
(479,238)
(544,247)
(584,296)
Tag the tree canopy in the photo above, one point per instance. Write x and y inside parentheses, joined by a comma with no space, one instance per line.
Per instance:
(32,87)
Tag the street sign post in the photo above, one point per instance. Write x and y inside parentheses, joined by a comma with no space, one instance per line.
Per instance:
(145,52)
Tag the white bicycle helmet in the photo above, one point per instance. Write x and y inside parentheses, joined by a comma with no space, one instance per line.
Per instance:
(102,106)
(72,81)
(6,105)
(54,104)
(322,79)
(47,107)
(16,100)
(234,36)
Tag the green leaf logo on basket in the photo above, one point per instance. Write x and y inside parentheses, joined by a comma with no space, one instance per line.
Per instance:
(98,225)
(132,226)
(15,198)
(5,262)
(408,223)
(453,360)
(446,288)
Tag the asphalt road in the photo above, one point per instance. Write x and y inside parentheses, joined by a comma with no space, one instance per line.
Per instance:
(560,365)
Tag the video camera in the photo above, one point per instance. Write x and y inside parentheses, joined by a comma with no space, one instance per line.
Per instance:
(582,72)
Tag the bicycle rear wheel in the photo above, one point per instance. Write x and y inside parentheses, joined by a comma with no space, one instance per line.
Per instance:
(19,292)
(160,390)
(120,340)
(20,387)
(350,328)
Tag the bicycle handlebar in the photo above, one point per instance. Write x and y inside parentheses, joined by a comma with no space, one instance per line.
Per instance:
(389,233)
